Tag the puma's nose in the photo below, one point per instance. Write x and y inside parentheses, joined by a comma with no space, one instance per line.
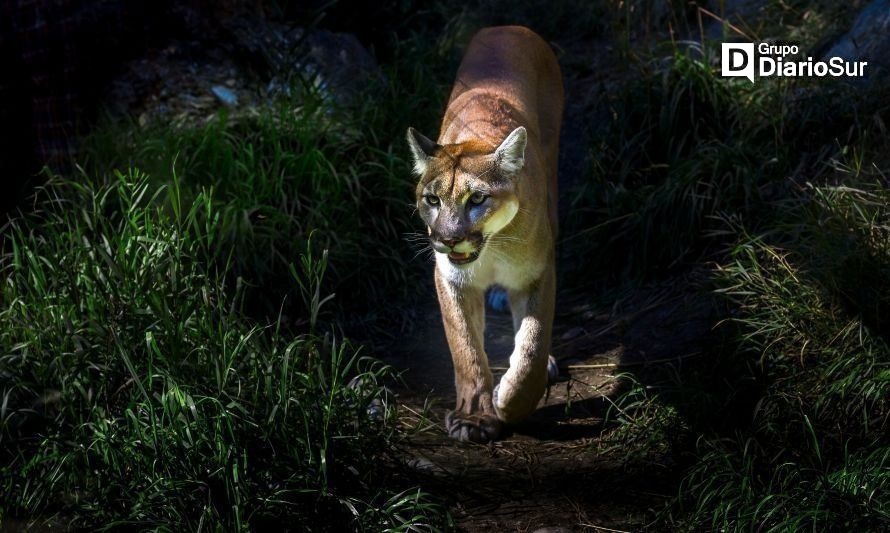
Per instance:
(451,243)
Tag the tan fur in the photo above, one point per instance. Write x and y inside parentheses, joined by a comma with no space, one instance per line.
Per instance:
(498,145)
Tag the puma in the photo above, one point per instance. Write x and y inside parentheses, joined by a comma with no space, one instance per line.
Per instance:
(487,193)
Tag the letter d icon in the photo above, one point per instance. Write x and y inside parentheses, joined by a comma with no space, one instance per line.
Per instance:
(737,60)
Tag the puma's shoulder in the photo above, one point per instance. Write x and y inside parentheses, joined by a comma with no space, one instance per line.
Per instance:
(488,184)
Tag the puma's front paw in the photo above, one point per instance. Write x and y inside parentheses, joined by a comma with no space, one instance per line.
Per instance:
(472,427)
(514,398)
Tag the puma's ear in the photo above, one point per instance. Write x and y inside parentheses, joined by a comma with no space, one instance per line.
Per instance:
(422,149)
(510,155)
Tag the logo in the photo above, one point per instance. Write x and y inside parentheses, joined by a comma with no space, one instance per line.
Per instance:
(739,60)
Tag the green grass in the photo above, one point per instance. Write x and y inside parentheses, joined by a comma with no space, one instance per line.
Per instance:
(779,190)
(302,164)
(682,148)
(815,451)
(294,168)
(135,392)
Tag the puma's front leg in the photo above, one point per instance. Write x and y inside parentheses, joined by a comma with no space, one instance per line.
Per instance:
(463,312)
(522,386)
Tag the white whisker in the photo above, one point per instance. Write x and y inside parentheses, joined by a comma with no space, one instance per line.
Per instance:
(423,250)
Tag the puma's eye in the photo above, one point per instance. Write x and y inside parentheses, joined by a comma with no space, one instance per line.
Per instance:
(477,198)
(431,199)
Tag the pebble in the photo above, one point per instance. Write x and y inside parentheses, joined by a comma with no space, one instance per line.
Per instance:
(225,95)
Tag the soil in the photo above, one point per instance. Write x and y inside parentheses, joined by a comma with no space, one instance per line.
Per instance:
(550,472)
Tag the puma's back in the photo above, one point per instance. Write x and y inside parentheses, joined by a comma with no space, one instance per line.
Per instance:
(509,77)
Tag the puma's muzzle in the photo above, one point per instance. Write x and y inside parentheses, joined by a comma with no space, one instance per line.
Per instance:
(461,250)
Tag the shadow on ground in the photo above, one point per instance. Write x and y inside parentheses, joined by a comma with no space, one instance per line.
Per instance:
(549,472)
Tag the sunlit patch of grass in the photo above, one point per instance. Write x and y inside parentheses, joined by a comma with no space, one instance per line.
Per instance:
(302,164)
(293,167)
(783,424)
(645,430)
(136,393)
(167,354)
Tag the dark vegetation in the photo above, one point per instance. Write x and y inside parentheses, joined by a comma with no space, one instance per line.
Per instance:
(170,354)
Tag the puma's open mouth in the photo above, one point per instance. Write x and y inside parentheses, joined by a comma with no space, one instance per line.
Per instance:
(458,258)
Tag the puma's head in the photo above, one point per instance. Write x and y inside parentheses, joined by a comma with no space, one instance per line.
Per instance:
(467,192)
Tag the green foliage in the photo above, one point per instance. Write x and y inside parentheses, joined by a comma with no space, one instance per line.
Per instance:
(137,387)
(288,169)
(784,425)
(682,147)
(817,449)
(781,423)
(135,393)
(645,431)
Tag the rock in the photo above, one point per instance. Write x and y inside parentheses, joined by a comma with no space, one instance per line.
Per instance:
(343,63)
(225,95)
(868,40)
(246,62)
(184,83)
(335,64)
(423,465)
(376,408)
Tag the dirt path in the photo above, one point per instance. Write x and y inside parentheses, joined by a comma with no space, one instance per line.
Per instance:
(550,472)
